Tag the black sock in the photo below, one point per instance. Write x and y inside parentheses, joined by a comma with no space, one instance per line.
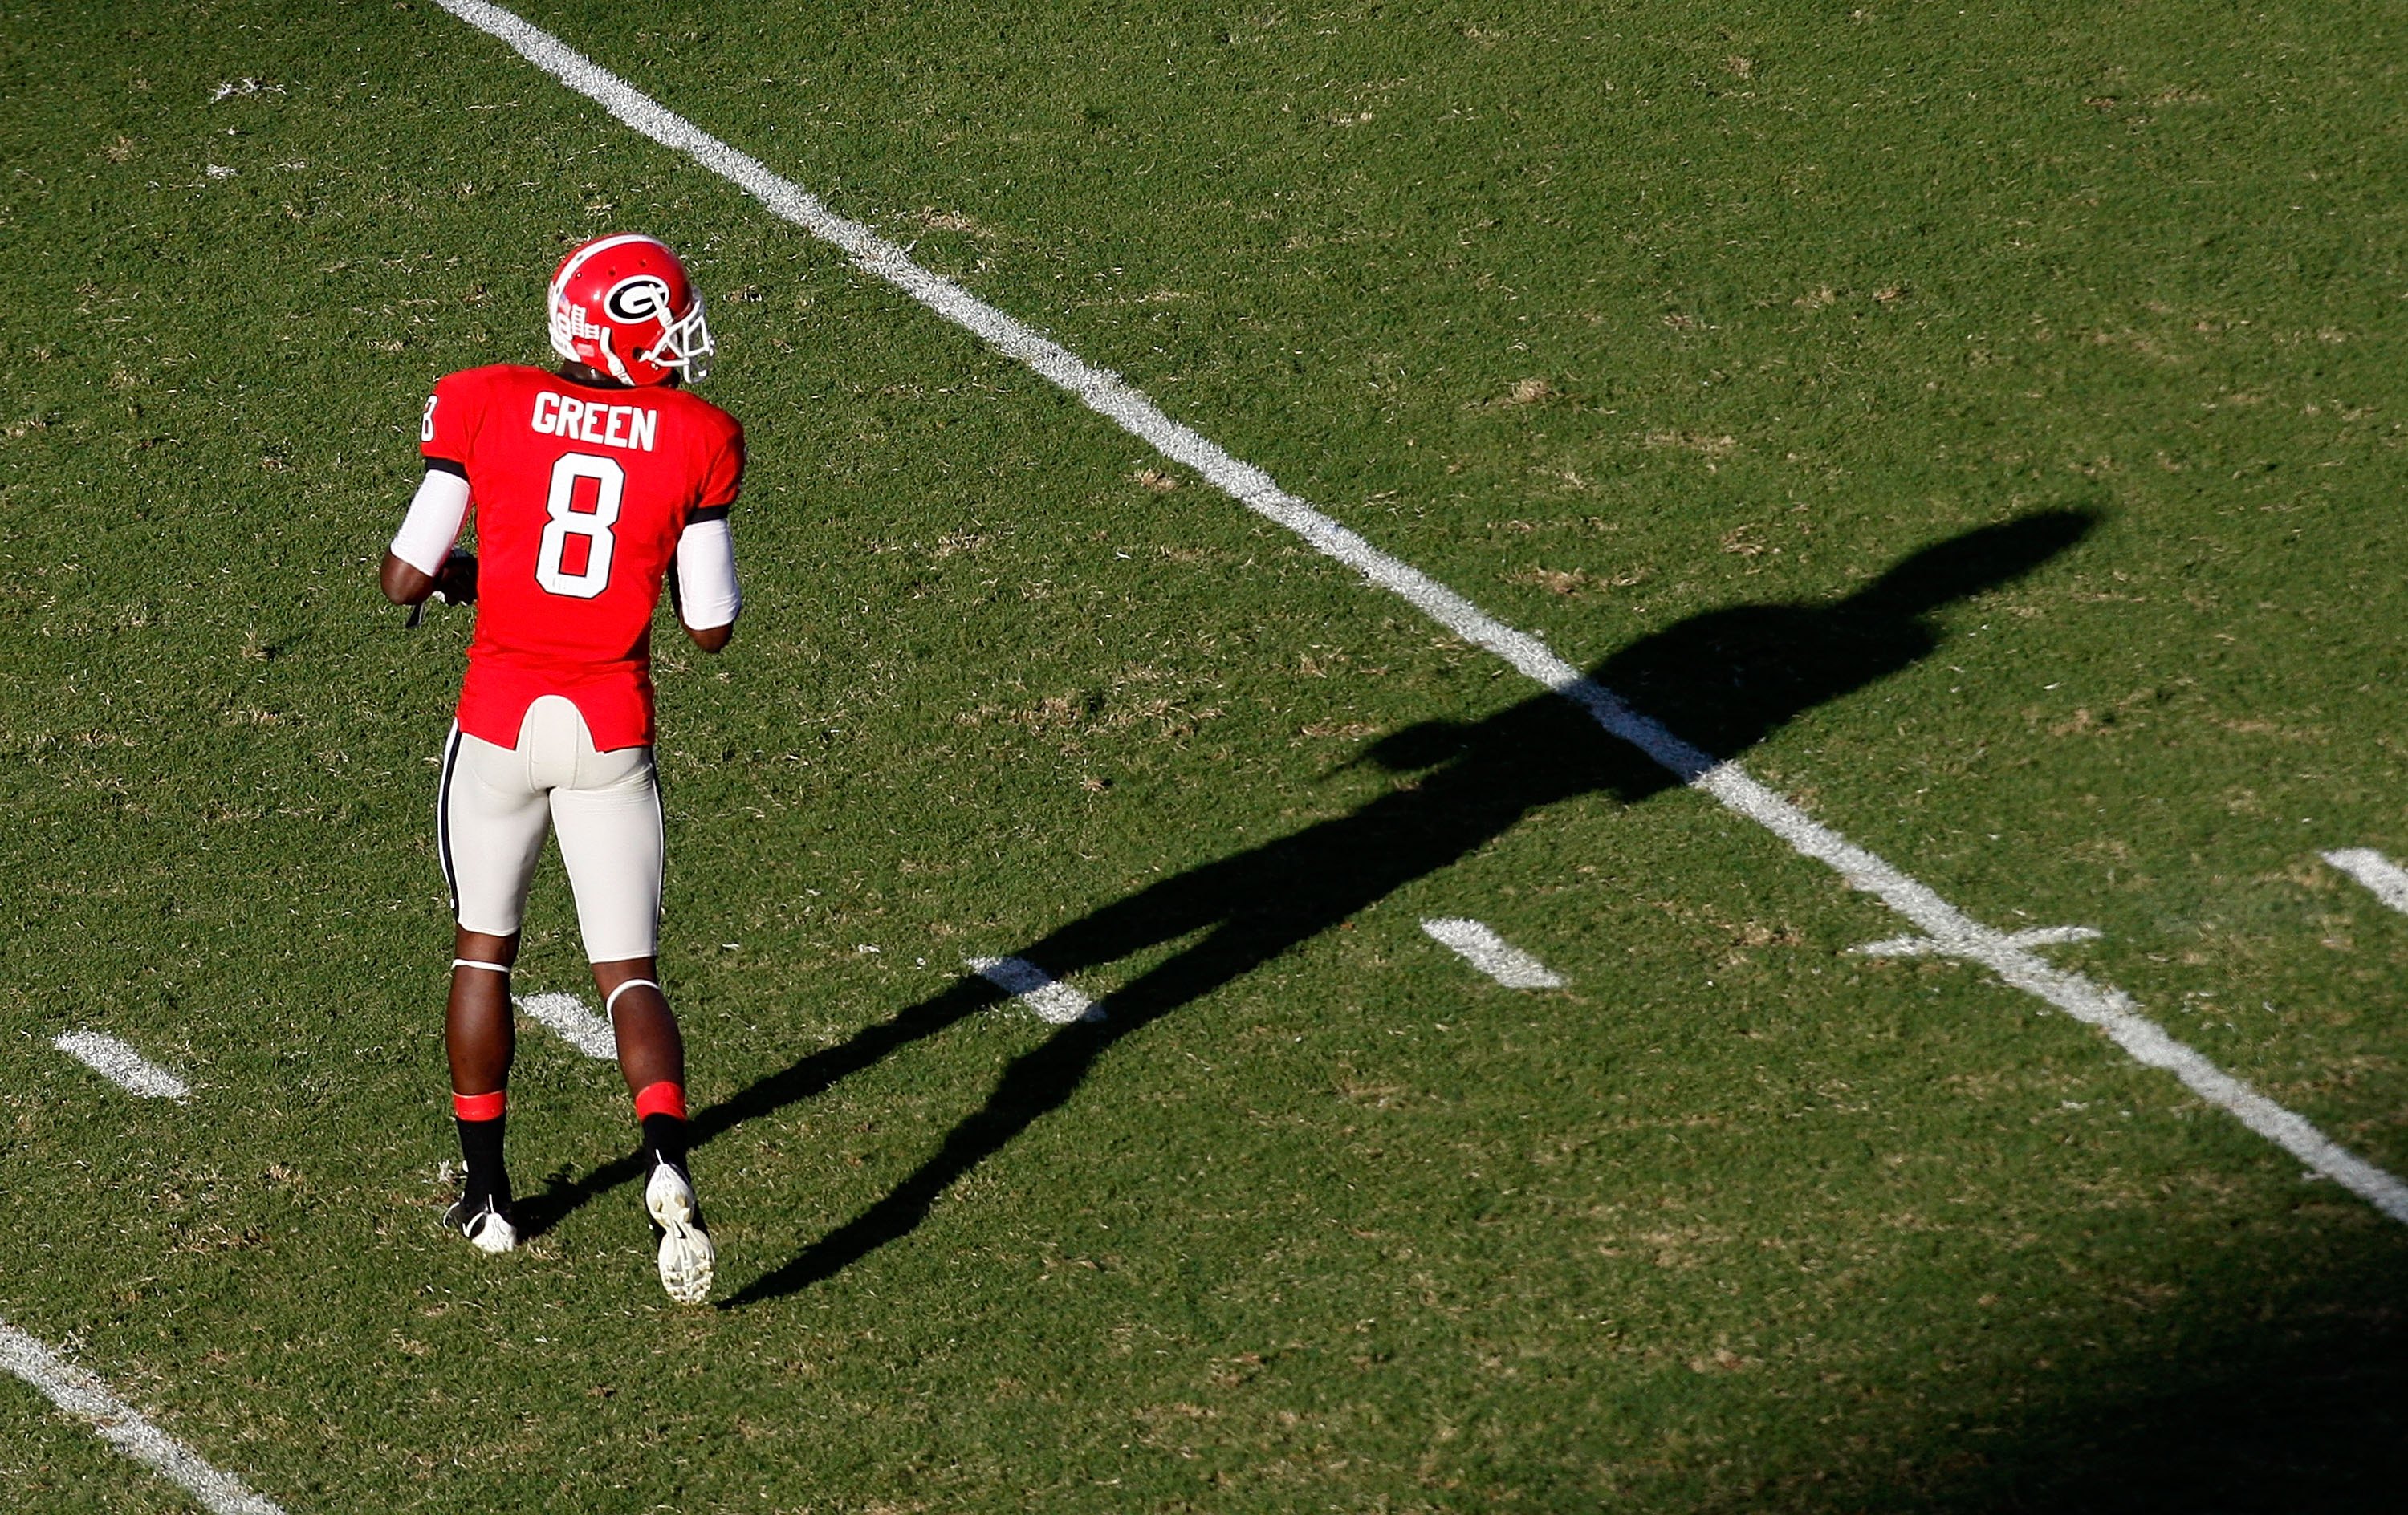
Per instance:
(481,1149)
(664,1139)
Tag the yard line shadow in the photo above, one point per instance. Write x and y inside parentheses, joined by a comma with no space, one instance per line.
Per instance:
(1723,680)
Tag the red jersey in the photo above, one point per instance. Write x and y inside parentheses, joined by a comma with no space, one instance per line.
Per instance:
(579,493)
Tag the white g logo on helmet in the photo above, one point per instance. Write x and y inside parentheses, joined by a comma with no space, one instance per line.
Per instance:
(637,300)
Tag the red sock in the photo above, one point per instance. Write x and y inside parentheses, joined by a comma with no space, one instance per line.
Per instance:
(662,1098)
(480,1106)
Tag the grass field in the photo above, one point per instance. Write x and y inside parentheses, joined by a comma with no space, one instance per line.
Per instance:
(1715,344)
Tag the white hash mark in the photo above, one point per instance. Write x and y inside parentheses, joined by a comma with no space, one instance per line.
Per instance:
(1925,947)
(1492,954)
(2386,878)
(122,1066)
(1056,1003)
(567,1018)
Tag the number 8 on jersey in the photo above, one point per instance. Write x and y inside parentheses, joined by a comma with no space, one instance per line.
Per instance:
(574,535)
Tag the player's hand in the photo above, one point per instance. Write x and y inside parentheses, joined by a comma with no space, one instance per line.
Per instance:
(455,583)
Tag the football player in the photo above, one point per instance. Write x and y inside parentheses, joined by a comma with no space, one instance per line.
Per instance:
(590,485)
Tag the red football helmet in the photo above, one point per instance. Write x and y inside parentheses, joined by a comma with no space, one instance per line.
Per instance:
(623,304)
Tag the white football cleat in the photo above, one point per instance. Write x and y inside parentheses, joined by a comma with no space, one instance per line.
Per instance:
(687,1257)
(488,1229)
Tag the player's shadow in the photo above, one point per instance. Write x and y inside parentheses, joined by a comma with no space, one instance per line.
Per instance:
(1723,680)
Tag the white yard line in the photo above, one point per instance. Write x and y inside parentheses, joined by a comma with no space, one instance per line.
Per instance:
(1954,933)
(89,1400)
(567,1018)
(122,1066)
(1046,997)
(2386,878)
(1492,954)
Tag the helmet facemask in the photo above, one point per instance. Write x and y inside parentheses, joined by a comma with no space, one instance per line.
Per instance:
(685,344)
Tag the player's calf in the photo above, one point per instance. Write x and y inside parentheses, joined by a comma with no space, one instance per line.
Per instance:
(480,1041)
(651,1055)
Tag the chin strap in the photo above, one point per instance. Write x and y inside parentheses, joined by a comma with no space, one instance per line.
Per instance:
(611,356)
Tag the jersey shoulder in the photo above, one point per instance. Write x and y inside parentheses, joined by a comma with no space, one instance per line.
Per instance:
(466,392)
(704,418)
(470,385)
(456,412)
(715,451)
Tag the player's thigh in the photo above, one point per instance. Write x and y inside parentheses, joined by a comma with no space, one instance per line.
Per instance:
(610,829)
(490,826)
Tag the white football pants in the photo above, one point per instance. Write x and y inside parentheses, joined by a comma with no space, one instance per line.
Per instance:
(493,808)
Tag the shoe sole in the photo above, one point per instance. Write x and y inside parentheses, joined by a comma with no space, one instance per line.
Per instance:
(687,1259)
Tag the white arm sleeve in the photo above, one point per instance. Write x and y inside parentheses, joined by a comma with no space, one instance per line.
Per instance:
(434,520)
(706,562)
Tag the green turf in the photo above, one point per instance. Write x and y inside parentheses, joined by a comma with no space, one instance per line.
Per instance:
(1608,317)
